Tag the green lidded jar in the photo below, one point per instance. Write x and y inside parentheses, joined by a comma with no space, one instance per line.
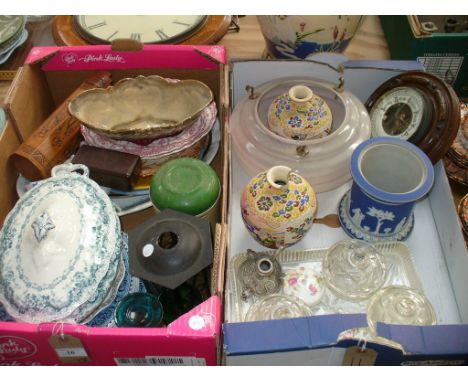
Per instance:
(187,185)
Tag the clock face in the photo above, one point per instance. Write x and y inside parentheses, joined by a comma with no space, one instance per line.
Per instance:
(146,29)
(399,113)
(419,107)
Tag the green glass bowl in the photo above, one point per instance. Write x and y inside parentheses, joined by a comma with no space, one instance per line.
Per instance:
(185,184)
(139,310)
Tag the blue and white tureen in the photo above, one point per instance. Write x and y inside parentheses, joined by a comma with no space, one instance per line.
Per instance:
(61,250)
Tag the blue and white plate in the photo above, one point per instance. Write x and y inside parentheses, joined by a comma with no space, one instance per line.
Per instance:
(5,55)
(56,245)
(130,284)
(134,201)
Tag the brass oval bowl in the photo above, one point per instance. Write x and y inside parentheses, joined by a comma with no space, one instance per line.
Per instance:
(142,107)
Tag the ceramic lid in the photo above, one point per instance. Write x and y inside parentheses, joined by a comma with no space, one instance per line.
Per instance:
(185,184)
(300,114)
(170,248)
(304,283)
(56,245)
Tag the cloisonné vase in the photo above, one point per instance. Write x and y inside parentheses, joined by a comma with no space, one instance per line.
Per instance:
(300,114)
(278,207)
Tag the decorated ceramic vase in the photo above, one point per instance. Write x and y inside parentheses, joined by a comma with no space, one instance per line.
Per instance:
(389,176)
(300,114)
(278,207)
(299,36)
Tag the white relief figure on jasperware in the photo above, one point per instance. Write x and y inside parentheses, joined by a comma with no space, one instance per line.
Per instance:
(366,228)
(387,230)
(357,217)
(400,225)
(381,216)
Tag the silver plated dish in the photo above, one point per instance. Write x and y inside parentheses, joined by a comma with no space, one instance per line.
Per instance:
(142,107)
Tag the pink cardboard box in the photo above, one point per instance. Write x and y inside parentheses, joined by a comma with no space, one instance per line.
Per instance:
(48,76)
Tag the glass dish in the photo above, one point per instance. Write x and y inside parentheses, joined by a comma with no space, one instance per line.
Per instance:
(324,162)
(400,271)
(354,270)
(139,310)
(399,305)
(276,307)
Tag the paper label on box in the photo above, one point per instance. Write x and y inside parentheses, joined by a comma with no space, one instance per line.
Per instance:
(69,349)
(357,356)
(161,361)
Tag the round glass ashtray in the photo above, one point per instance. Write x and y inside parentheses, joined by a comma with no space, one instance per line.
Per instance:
(277,307)
(354,269)
(139,310)
(399,305)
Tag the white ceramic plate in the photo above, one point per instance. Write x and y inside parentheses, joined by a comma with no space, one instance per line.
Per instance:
(4,56)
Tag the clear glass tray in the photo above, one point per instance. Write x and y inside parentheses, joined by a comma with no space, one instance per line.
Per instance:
(400,271)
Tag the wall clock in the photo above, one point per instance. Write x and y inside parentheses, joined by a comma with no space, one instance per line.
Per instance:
(418,107)
(92,29)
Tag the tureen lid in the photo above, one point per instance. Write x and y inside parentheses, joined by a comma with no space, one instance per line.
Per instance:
(300,114)
(56,245)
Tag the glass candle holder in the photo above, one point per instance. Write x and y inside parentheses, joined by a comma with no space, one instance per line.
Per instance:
(139,310)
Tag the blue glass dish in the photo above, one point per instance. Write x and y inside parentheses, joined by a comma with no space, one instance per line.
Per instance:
(139,310)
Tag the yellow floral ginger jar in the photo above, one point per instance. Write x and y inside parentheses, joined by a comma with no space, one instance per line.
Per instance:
(278,207)
(300,114)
